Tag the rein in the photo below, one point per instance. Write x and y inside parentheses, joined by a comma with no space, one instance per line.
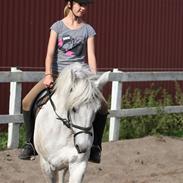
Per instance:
(67,122)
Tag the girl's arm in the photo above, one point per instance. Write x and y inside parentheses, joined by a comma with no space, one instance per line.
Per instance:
(91,54)
(48,80)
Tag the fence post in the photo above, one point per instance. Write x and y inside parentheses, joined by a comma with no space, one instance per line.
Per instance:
(115,105)
(14,108)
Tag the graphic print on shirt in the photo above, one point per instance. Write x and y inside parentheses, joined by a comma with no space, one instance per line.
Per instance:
(71,46)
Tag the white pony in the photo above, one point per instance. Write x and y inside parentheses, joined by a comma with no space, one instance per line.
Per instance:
(63,129)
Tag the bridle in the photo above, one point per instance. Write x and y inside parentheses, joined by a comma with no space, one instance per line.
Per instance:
(68,122)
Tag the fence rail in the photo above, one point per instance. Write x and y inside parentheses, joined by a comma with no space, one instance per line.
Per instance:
(17,77)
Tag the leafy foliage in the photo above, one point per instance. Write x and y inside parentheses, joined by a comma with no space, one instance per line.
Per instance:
(164,124)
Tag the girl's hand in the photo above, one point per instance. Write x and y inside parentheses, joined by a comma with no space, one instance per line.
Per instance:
(48,81)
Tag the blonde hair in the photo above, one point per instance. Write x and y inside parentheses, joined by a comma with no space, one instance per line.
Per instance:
(66,10)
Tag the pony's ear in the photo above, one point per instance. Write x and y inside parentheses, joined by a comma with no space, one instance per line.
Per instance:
(102,80)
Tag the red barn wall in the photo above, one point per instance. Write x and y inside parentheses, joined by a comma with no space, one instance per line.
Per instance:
(132,35)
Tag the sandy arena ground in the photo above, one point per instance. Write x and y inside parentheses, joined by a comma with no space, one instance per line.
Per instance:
(145,160)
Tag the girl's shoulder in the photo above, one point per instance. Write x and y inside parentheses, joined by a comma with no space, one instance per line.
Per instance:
(91,31)
(87,25)
(57,26)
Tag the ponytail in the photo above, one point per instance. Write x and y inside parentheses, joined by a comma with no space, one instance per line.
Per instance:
(66,10)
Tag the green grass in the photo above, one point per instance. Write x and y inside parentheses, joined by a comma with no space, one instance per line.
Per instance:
(4,138)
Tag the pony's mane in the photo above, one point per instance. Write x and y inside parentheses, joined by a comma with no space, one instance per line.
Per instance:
(75,86)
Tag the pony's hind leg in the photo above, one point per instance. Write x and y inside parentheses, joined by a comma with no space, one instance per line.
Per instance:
(50,174)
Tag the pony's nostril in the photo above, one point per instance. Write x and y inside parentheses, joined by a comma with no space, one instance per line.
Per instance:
(77,147)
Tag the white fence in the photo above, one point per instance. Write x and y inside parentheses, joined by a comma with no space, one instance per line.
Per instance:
(17,77)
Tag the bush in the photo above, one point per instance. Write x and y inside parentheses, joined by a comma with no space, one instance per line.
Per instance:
(164,124)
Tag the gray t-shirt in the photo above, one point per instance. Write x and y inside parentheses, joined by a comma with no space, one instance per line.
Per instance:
(71,44)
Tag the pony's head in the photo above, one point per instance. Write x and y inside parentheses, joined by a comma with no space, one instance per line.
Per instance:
(76,87)
(81,99)
(69,76)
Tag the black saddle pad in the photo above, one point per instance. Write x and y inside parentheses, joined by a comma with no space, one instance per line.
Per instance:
(41,99)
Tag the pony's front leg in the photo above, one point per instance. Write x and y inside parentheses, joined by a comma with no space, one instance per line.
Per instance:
(62,175)
(77,171)
(50,174)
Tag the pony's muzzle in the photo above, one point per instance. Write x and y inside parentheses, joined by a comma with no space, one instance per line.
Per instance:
(82,143)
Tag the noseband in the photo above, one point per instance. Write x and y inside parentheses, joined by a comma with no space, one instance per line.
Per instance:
(68,123)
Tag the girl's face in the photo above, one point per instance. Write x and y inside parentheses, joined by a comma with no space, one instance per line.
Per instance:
(79,9)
